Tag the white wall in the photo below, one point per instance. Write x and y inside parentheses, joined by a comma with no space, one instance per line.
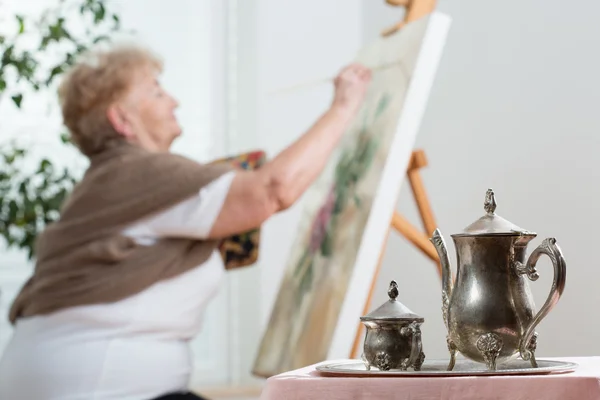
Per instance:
(514,107)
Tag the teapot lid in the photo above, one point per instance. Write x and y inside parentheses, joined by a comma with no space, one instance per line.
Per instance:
(491,223)
(392,310)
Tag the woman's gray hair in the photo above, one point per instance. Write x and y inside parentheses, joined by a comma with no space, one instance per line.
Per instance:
(97,80)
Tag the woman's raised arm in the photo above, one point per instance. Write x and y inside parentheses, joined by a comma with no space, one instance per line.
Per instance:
(254,196)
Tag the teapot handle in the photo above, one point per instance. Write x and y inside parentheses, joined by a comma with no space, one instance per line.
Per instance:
(553,251)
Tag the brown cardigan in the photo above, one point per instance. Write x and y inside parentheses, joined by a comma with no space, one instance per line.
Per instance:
(84,259)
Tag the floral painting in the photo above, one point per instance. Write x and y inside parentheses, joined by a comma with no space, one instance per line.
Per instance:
(336,213)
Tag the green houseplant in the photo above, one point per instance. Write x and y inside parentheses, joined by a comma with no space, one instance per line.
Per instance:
(31,198)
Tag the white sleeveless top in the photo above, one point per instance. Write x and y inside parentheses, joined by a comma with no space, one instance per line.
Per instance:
(134,349)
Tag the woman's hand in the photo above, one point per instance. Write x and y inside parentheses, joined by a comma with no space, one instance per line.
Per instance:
(254,196)
(350,88)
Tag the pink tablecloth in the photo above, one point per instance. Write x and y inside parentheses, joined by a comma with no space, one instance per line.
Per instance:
(307,384)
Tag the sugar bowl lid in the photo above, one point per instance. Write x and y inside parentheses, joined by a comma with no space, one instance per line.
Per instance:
(491,223)
(392,310)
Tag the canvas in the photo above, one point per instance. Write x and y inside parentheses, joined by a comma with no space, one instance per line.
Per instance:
(348,210)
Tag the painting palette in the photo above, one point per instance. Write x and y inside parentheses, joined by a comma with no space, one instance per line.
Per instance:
(241,250)
(462,367)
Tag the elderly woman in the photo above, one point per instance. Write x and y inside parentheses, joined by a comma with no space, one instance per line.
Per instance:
(123,278)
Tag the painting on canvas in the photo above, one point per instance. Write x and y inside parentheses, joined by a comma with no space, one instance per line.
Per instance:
(348,210)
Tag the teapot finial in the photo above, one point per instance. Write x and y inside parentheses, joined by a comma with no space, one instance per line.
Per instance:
(490,202)
(393,290)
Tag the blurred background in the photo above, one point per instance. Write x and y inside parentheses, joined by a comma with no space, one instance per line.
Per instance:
(513,108)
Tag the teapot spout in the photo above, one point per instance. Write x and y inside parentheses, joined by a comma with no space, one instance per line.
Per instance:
(440,246)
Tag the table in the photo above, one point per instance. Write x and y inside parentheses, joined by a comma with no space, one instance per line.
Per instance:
(307,384)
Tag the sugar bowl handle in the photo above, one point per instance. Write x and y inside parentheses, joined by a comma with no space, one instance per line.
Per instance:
(414,331)
(553,251)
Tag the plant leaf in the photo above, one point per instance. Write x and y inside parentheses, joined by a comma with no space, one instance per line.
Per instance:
(99,13)
(65,138)
(17,99)
(21,22)
(56,71)
(45,166)
(31,200)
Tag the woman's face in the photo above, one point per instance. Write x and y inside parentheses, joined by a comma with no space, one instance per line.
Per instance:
(146,114)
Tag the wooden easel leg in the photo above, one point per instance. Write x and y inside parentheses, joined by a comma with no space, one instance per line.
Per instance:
(418,161)
(359,335)
(406,229)
(412,234)
(415,9)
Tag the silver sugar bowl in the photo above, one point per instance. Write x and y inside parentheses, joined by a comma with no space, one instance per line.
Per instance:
(393,337)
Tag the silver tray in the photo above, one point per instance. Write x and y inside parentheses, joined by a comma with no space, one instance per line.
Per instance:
(462,367)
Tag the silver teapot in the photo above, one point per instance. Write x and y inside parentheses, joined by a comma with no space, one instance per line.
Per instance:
(488,310)
(393,337)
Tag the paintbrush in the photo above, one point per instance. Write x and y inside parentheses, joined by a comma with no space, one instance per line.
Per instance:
(318,82)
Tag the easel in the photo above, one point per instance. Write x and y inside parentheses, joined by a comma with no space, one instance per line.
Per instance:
(415,9)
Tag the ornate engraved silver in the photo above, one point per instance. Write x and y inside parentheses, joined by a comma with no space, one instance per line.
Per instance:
(452,349)
(523,269)
(548,247)
(445,305)
(393,337)
(489,311)
(530,348)
(489,205)
(365,362)
(440,245)
(415,359)
(383,361)
(419,362)
(489,345)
